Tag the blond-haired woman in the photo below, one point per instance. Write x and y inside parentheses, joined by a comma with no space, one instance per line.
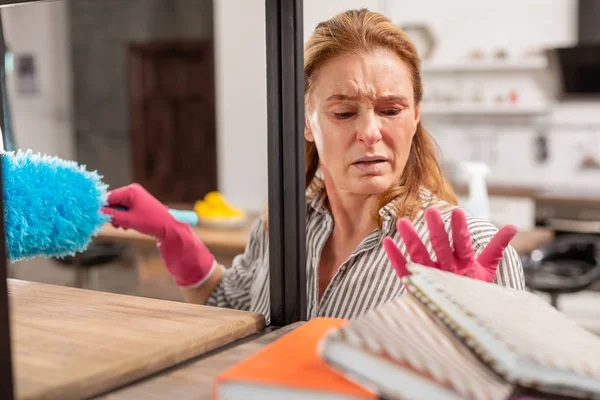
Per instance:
(371,173)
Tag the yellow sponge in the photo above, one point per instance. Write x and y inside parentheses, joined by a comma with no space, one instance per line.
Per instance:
(214,206)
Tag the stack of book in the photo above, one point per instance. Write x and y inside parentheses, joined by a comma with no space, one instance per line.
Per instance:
(446,337)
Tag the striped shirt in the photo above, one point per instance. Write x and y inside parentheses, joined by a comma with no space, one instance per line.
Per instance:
(364,281)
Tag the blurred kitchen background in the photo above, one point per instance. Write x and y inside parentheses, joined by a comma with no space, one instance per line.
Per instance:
(172,94)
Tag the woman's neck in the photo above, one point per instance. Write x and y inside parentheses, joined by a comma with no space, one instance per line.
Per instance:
(351,213)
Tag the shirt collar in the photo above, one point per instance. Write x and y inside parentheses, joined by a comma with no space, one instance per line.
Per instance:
(389,213)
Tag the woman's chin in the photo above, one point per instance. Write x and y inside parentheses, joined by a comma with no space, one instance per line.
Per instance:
(373,185)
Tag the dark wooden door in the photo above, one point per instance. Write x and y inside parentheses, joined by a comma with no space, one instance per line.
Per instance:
(172,119)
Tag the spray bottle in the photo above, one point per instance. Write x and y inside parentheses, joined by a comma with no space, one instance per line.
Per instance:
(478,204)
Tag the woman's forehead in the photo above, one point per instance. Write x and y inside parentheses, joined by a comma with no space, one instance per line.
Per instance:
(373,75)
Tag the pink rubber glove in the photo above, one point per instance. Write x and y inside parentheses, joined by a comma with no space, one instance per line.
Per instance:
(185,256)
(461,260)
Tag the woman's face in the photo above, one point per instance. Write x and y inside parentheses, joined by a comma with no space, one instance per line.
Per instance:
(362,117)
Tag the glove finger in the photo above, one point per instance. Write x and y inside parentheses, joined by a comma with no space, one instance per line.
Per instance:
(118,218)
(396,258)
(439,239)
(463,246)
(415,247)
(491,256)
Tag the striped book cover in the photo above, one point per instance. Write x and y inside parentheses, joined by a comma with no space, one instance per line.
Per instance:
(404,353)
(466,339)
(518,334)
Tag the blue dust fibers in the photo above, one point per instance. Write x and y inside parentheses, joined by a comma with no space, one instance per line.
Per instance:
(51,206)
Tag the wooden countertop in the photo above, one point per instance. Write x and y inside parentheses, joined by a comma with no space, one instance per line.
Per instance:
(73,343)
(556,195)
(231,240)
(527,241)
(501,190)
(194,381)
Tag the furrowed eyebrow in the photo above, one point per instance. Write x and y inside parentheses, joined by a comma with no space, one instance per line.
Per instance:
(401,99)
(338,96)
(342,97)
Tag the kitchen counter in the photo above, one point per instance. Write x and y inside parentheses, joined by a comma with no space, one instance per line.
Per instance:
(563,194)
(462,189)
(224,243)
(73,343)
(233,239)
(527,241)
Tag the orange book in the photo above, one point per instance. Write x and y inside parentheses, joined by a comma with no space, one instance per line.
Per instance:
(289,368)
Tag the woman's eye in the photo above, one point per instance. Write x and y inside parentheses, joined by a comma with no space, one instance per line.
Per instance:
(343,115)
(391,112)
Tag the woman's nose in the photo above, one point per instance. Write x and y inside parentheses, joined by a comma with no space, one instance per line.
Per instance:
(369,131)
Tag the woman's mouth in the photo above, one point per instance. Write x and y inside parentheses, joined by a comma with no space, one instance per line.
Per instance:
(370,165)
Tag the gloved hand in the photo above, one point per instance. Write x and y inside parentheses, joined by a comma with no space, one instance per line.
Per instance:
(461,260)
(185,256)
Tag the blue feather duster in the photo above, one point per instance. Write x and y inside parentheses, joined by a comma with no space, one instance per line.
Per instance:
(51,206)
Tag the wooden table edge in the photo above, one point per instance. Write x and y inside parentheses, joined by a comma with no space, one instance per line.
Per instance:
(256,324)
(271,333)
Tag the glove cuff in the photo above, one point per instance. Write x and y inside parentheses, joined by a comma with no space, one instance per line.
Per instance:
(185,256)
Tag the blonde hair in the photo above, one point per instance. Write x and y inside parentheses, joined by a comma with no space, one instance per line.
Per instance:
(362,31)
